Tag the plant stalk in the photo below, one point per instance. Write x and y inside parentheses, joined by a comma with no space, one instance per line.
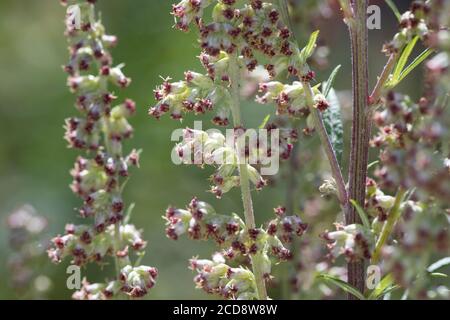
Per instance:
(328,147)
(291,206)
(234,71)
(361,128)
(382,79)
(117,237)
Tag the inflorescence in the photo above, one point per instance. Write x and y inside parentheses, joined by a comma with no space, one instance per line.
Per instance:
(98,175)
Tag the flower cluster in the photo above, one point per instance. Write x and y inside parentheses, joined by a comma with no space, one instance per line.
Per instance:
(290,99)
(439,20)
(413,141)
(287,137)
(354,241)
(136,281)
(97,177)
(101,128)
(423,229)
(409,135)
(133,281)
(255,28)
(26,238)
(84,244)
(239,36)
(197,93)
(286,227)
(216,277)
(413,22)
(201,222)
(213,148)
(377,205)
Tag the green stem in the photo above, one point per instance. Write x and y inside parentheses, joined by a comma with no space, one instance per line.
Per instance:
(394,215)
(234,71)
(117,241)
(292,184)
(382,79)
(327,146)
(117,237)
(361,125)
(291,206)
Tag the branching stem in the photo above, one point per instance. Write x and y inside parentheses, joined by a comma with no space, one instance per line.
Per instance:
(328,147)
(117,237)
(382,79)
(361,127)
(234,71)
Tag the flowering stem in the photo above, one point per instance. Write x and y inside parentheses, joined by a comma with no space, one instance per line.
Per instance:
(360,127)
(291,206)
(328,147)
(376,93)
(117,237)
(320,127)
(234,71)
(388,226)
(116,247)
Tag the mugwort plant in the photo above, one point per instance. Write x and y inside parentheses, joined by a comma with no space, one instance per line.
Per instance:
(366,211)
(100,173)
(231,40)
(393,219)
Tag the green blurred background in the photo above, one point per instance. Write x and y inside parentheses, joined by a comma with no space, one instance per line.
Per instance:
(34,101)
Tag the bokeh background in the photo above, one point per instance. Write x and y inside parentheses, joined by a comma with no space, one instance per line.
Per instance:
(34,101)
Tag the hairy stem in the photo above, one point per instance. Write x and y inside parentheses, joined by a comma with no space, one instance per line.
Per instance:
(320,127)
(117,237)
(234,71)
(291,206)
(360,127)
(328,147)
(292,183)
(394,215)
(117,241)
(382,79)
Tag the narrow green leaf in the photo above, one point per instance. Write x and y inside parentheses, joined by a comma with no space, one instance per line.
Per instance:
(409,194)
(129,213)
(332,119)
(140,255)
(316,87)
(361,214)
(372,164)
(402,61)
(388,290)
(439,264)
(385,286)
(329,84)
(417,61)
(394,9)
(342,284)
(310,46)
(438,275)
(264,122)
(124,184)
